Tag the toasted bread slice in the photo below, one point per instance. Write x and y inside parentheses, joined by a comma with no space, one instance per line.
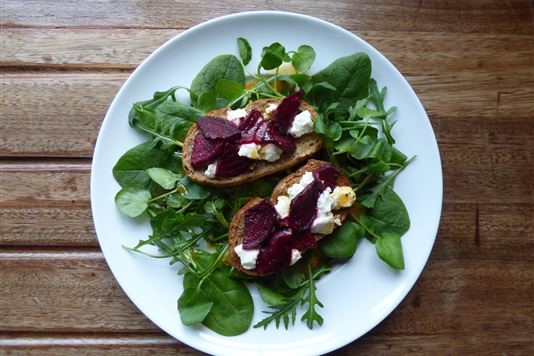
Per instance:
(237,225)
(307,146)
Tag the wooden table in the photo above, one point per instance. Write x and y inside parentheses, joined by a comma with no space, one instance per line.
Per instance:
(472,65)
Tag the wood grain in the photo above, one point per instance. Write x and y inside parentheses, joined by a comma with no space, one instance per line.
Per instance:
(488,16)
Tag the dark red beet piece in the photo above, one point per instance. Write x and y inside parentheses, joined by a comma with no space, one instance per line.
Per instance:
(259,222)
(327,174)
(287,110)
(249,125)
(217,128)
(231,164)
(205,151)
(303,241)
(276,254)
(284,141)
(302,210)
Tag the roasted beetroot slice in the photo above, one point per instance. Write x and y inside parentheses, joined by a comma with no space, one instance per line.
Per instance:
(303,241)
(217,128)
(327,174)
(302,210)
(274,136)
(259,222)
(276,254)
(205,151)
(231,164)
(249,125)
(286,111)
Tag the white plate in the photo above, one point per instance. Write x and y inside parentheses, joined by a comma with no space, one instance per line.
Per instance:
(359,294)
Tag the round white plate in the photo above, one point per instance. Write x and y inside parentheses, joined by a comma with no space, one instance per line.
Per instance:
(356,296)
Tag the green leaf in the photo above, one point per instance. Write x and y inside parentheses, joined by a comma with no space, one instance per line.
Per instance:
(389,215)
(194,191)
(270,296)
(303,59)
(165,178)
(293,277)
(207,102)
(389,249)
(132,200)
(229,90)
(343,242)
(193,305)
(149,105)
(245,52)
(331,129)
(273,56)
(226,66)
(311,316)
(350,76)
(232,309)
(131,167)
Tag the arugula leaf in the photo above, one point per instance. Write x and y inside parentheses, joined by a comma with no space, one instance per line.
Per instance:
(132,200)
(389,249)
(245,52)
(225,66)
(311,316)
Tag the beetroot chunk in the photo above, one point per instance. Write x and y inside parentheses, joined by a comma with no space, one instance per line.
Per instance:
(302,210)
(287,110)
(249,125)
(303,241)
(259,222)
(217,128)
(276,254)
(284,141)
(205,151)
(231,164)
(327,174)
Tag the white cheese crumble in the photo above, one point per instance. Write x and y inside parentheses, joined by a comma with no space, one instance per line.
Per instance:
(323,224)
(269,110)
(343,197)
(210,171)
(296,188)
(270,152)
(250,150)
(235,115)
(247,257)
(295,256)
(282,206)
(302,124)
(325,201)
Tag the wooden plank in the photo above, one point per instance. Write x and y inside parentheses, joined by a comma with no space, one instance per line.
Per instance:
(372,344)
(48,290)
(68,118)
(412,52)
(489,16)
(488,106)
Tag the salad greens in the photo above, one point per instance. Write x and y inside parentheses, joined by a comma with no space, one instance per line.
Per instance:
(190,221)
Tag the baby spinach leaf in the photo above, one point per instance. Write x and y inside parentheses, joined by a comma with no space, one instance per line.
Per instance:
(132,200)
(165,178)
(225,66)
(388,215)
(273,56)
(194,191)
(228,89)
(193,305)
(270,296)
(207,101)
(350,76)
(245,52)
(343,242)
(131,167)
(232,309)
(389,249)
(303,59)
